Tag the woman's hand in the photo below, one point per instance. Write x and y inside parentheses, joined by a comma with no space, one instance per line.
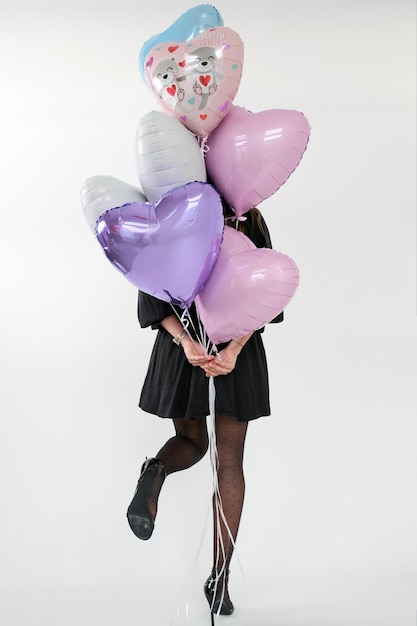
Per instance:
(195,353)
(225,362)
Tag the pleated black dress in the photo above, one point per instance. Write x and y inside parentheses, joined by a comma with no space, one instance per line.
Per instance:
(173,388)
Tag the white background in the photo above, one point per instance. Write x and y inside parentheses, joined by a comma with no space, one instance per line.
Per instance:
(328,536)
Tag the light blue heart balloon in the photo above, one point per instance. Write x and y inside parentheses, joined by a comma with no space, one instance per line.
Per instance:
(187,26)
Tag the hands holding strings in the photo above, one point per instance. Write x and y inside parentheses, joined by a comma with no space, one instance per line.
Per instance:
(219,364)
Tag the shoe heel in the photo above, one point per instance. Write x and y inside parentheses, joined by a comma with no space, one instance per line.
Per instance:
(217,595)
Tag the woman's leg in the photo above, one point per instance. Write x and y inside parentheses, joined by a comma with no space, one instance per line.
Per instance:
(186,448)
(230,443)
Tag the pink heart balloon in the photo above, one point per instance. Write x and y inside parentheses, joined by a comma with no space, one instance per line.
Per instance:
(250,155)
(246,289)
(197,80)
(168,249)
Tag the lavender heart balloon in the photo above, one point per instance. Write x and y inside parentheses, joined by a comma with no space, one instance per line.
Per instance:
(250,155)
(246,289)
(166,249)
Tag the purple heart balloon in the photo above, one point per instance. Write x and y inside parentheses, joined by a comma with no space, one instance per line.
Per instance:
(166,249)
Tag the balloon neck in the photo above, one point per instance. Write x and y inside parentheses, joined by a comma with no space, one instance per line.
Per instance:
(235,218)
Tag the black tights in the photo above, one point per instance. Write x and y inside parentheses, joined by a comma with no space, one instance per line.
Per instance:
(230,442)
(187,447)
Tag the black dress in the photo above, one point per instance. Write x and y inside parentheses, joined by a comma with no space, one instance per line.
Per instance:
(173,388)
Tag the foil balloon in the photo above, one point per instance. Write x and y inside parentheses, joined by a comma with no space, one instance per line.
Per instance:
(168,155)
(187,26)
(166,249)
(197,80)
(100,193)
(250,155)
(246,289)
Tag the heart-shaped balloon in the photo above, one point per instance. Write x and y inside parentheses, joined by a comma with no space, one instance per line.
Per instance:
(197,80)
(100,193)
(168,155)
(187,26)
(246,289)
(168,249)
(250,155)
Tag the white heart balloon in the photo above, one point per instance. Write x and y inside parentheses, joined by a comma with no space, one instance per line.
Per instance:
(168,155)
(100,193)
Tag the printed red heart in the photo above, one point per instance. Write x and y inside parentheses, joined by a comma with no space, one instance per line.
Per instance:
(172,48)
(204,80)
(203,117)
(171,90)
(182,63)
(188,25)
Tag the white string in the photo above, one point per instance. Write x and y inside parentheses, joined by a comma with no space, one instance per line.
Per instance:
(186,320)
(234,218)
(204,148)
(183,605)
(219,515)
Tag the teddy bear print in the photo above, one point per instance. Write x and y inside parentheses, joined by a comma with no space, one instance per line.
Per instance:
(166,83)
(205,74)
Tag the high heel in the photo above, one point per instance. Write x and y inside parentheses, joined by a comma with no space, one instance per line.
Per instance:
(140,518)
(217,594)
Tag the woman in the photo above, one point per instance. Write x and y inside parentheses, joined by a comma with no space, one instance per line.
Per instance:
(176,387)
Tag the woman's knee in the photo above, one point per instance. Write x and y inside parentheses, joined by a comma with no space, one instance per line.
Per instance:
(195,431)
(203,445)
(202,440)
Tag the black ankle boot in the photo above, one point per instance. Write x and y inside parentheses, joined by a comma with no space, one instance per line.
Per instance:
(216,592)
(140,519)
